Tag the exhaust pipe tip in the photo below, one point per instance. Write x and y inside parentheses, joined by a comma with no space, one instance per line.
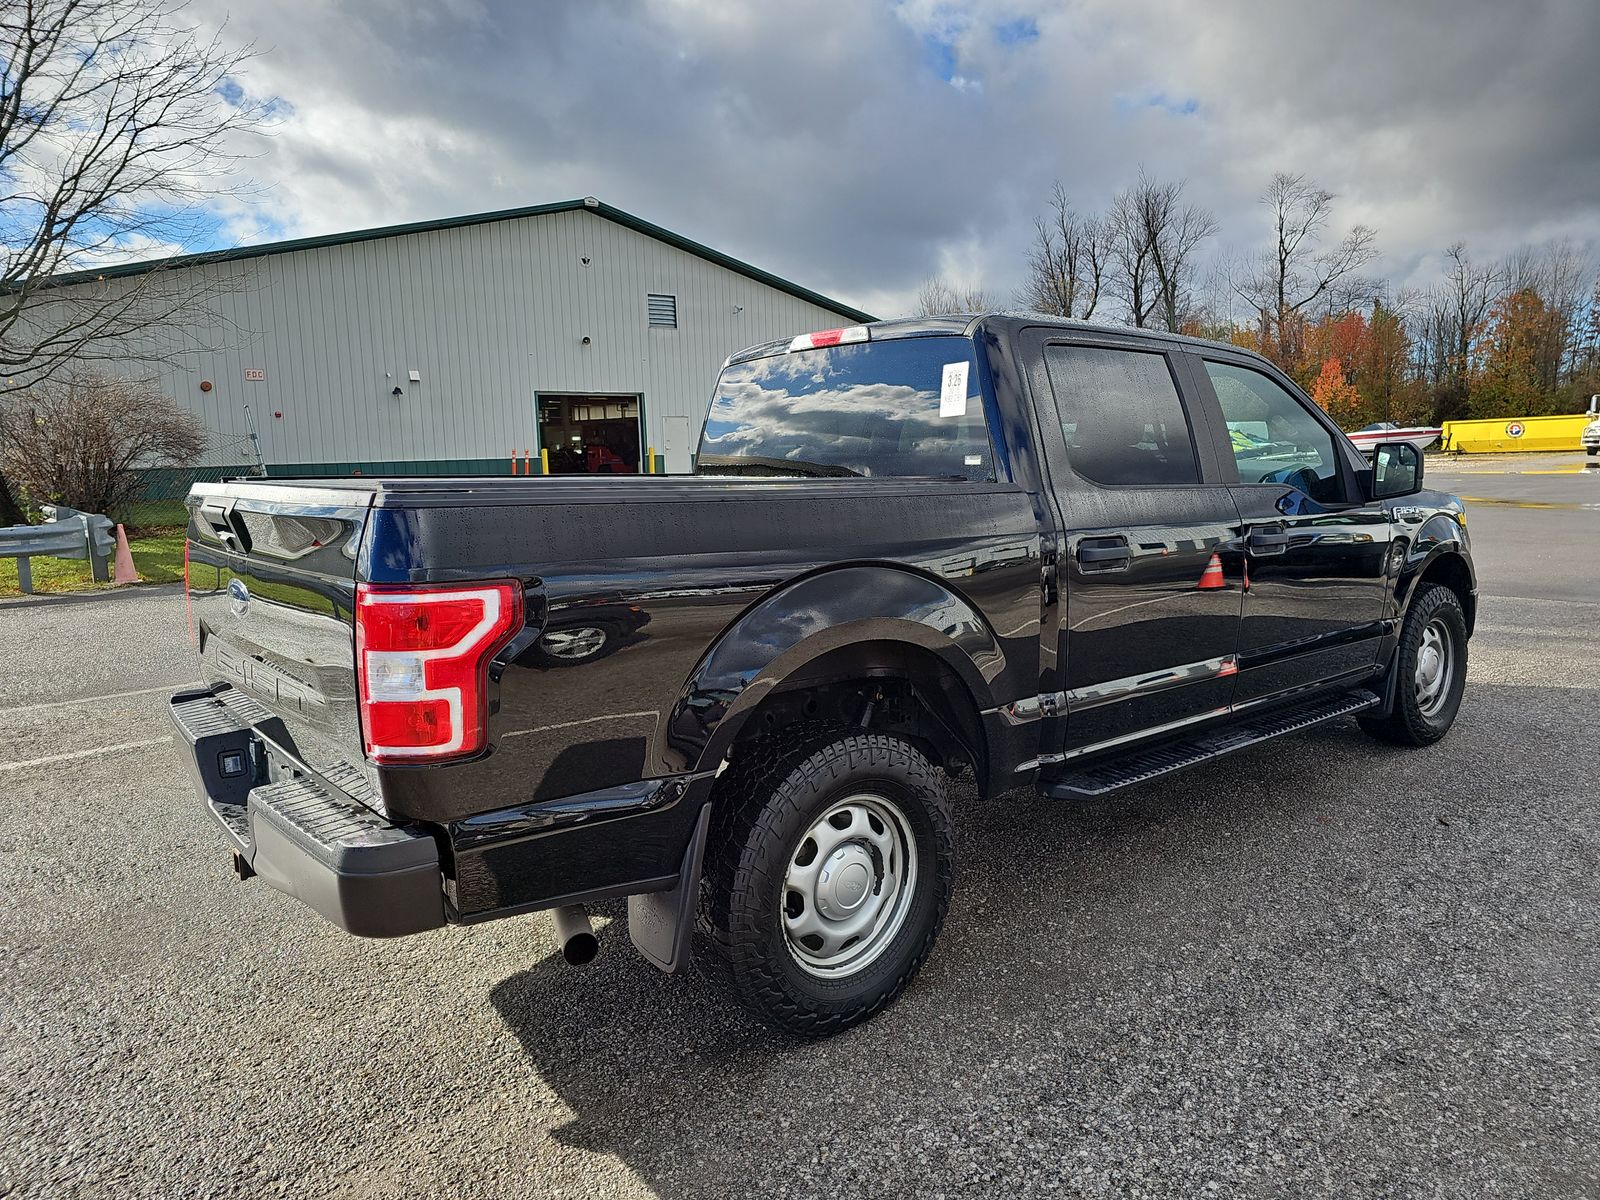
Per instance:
(580,949)
(579,944)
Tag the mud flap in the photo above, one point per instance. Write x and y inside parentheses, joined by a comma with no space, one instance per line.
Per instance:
(660,923)
(1390,683)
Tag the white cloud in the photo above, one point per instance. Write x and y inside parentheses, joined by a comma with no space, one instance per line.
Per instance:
(823,144)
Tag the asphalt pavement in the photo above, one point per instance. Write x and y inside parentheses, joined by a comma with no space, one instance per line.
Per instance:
(1319,968)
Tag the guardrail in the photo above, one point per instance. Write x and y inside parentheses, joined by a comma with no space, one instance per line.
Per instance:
(67,534)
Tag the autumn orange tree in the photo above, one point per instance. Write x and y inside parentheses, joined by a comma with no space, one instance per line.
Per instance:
(1371,355)
(1386,367)
(1509,381)
(1335,395)
(1514,336)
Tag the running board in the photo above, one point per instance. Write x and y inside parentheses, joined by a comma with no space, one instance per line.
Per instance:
(1099,778)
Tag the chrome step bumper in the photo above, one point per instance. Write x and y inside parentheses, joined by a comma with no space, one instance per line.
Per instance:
(335,856)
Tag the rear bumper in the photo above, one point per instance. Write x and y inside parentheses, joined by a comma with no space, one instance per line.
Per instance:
(338,858)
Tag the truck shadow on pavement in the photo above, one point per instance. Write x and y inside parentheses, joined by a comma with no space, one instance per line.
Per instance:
(1146,983)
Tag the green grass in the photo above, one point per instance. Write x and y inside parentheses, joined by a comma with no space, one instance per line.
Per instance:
(157,554)
(155,514)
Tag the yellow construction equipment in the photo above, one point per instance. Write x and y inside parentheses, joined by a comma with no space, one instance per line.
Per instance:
(1499,435)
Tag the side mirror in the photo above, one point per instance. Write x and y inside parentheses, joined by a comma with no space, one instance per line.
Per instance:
(1594,406)
(1396,470)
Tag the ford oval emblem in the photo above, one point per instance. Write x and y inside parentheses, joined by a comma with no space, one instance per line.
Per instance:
(238,597)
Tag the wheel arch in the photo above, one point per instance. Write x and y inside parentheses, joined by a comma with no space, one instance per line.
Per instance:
(1444,563)
(881,686)
(1438,556)
(835,635)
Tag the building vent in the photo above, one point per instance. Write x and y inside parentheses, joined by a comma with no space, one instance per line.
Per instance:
(663,310)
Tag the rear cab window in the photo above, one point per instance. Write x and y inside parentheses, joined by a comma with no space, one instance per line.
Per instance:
(901,408)
(1121,416)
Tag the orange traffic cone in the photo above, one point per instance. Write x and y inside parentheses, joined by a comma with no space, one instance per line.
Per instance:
(125,572)
(1212,578)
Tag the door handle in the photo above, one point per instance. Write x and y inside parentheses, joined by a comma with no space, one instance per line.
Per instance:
(1267,540)
(1104,554)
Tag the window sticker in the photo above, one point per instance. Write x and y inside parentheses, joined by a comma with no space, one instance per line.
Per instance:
(953,391)
(974,460)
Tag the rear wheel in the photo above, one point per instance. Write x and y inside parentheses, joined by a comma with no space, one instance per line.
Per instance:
(828,877)
(1432,665)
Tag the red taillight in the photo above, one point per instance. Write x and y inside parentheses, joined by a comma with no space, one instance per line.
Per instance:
(422,656)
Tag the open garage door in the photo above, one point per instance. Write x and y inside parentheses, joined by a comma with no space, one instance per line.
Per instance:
(590,435)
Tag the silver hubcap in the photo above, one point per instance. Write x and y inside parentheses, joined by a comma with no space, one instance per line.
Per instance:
(573,643)
(849,885)
(1435,667)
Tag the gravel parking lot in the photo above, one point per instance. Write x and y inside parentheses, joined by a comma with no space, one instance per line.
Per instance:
(1322,967)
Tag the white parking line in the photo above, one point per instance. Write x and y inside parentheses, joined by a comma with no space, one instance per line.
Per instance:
(20,708)
(56,758)
(586,721)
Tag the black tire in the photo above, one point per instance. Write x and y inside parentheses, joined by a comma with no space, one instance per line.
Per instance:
(1414,722)
(1592,450)
(767,803)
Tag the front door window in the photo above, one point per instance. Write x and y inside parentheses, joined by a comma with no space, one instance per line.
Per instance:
(1274,438)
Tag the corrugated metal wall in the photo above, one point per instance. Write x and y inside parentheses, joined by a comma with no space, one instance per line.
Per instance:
(489,315)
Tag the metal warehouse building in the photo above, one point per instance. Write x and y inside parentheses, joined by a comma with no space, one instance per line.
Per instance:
(446,346)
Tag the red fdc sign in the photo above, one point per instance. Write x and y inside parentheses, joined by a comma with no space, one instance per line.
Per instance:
(255,374)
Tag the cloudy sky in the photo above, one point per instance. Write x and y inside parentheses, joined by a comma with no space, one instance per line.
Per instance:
(858,147)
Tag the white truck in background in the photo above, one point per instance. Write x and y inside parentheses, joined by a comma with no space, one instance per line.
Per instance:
(1591,431)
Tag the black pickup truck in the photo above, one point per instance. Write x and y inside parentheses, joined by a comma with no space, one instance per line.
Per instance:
(1053,555)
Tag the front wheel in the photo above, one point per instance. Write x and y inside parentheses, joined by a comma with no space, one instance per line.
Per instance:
(827,879)
(1432,665)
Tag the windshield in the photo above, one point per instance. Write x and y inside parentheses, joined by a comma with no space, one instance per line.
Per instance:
(909,407)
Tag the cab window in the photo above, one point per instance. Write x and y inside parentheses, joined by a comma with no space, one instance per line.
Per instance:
(1121,415)
(1274,439)
(906,407)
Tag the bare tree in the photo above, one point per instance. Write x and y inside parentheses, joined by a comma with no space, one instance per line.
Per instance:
(938,297)
(1587,359)
(1451,320)
(1557,272)
(1068,263)
(1132,257)
(1169,232)
(1297,271)
(84,439)
(113,114)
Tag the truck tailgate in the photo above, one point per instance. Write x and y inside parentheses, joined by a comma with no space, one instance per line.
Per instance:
(271,581)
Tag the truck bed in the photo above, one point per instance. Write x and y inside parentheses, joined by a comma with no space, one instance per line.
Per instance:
(663,565)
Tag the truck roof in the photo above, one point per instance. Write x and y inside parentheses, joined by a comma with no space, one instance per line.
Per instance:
(967,324)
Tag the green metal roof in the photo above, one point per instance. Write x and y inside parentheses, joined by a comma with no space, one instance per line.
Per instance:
(588,204)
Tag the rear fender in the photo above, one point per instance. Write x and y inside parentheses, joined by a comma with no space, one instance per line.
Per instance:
(821,614)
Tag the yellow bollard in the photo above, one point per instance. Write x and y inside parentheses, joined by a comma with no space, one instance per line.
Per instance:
(650,461)
(544,461)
